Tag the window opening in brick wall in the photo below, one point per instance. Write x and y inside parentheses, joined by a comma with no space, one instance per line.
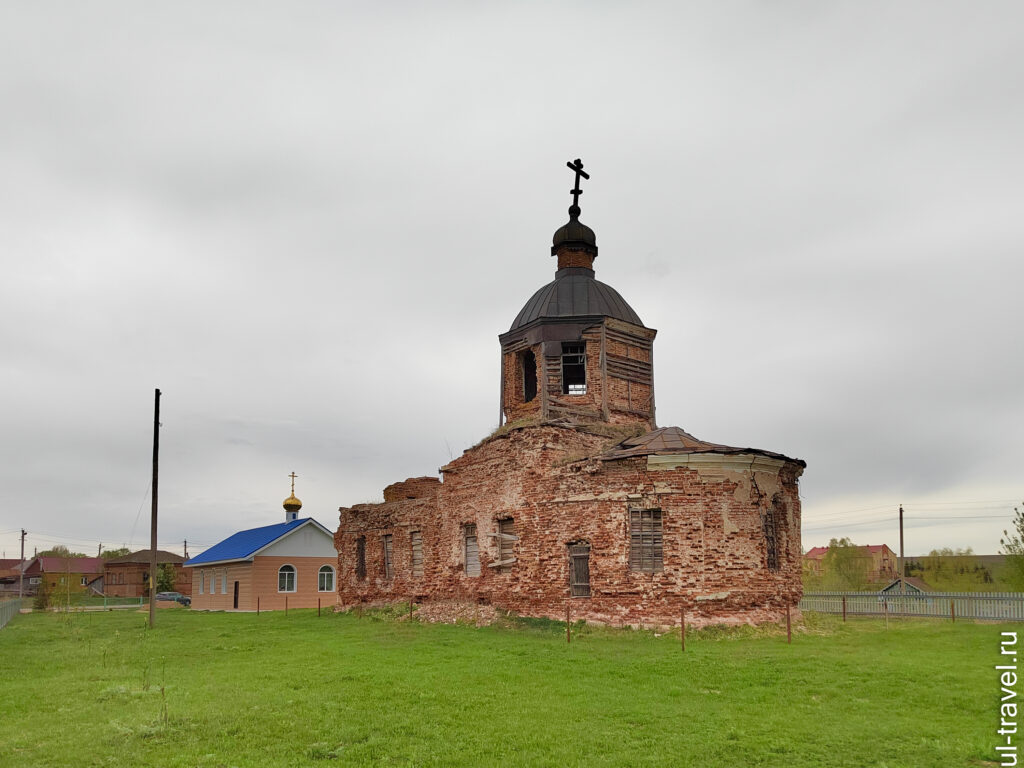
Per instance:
(574,369)
(472,549)
(285,578)
(387,556)
(416,545)
(201,579)
(507,538)
(325,579)
(361,558)
(529,364)
(579,570)
(645,540)
(771,538)
(224,582)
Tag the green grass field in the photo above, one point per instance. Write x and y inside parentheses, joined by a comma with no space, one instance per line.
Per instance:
(99,689)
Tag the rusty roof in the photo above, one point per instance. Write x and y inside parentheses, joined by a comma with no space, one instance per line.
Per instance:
(673,440)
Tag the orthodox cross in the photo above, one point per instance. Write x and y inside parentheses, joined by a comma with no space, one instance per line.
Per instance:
(293,476)
(577,166)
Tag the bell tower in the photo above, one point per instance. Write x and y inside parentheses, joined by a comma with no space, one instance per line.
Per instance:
(577,350)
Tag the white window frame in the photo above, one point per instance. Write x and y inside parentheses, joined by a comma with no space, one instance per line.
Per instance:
(224,582)
(202,580)
(295,579)
(324,569)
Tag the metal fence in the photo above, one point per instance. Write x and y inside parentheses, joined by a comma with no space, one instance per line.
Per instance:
(986,606)
(8,610)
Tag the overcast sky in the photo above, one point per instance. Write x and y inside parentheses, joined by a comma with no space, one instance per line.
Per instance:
(308,223)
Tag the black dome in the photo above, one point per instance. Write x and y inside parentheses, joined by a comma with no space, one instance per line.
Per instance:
(575,293)
(574,233)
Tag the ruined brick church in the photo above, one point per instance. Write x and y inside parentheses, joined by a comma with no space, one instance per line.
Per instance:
(579,498)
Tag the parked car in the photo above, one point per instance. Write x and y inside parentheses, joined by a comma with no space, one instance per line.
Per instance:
(176,597)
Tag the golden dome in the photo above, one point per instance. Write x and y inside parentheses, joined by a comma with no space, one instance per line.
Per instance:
(292,504)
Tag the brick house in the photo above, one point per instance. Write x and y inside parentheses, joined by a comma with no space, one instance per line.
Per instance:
(578,498)
(876,561)
(262,568)
(70,574)
(127,576)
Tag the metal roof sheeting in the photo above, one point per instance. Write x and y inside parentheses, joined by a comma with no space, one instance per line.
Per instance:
(575,293)
(245,544)
(673,440)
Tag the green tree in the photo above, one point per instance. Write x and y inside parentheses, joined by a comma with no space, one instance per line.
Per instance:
(845,565)
(165,578)
(109,554)
(60,551)
(1012,545)
(41,601)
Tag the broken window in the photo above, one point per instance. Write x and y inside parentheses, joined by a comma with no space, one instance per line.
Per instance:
(506,536)
(771,539)
(472,549)
(416,544)
(574,369)
(528,361)
(387,556)
(645,540)
(579,570)
(361,558)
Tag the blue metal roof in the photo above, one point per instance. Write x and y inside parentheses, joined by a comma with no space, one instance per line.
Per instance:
(244,544)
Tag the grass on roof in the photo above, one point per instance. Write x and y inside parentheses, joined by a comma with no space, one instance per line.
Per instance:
(216,689)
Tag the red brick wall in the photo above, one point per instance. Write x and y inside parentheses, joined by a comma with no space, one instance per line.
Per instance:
(126,579)
(714,546)
(626,401)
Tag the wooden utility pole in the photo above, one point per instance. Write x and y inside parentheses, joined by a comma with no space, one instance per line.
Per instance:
(21,578)
(152,523)
(901,549)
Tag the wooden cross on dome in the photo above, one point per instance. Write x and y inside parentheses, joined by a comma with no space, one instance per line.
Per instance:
(577,166)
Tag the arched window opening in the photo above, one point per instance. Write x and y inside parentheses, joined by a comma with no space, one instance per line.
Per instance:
(286,578)
(325,579)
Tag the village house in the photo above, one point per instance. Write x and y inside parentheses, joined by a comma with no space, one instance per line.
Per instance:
(286,565)
(875,561)
(579,500)
(128,575)
(64,575)
(10,576)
